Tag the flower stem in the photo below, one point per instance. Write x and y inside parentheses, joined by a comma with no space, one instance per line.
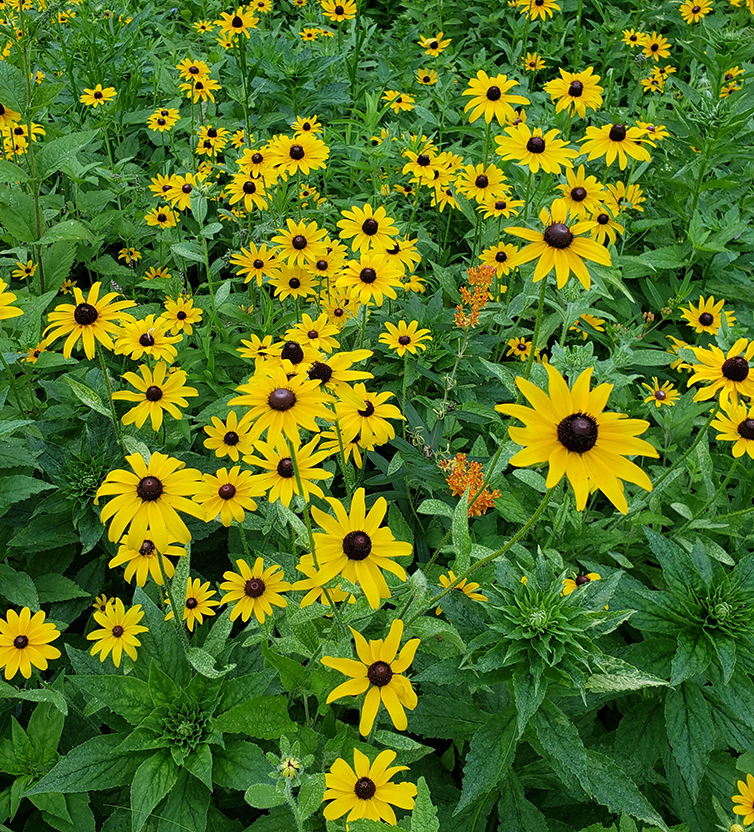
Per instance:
(110,401)
(178,625)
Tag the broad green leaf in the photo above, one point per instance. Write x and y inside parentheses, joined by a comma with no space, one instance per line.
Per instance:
(161,641)
(126,696)
(34,695)
(204,663)
(154,778)
(560,739)
(15,489)
(87,396)
(617,675)
(67,231)
(223,293)
(528,692)
(264,796)
(199,763)
(460,533)
(11,173)
(53,587)
(441,716)
(311,794)
(516,813)
(692,656)
(17,587)
(53,154)
(265,717)
(186,807)
(188,251)
(239,764)
(436,507)
(691,732)
(13,88)
(409,750)
(424,814)
(162,689)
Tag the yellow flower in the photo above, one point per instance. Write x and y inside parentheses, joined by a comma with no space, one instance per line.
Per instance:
(520,348)
(182,314)
(490,97)
(633,38)
(226,495)
(147,337)
(239,23)
(97,96)
(232,437)
(405,337)
(435,44)
(315,592)
(538,8)
(119,630)
(301,243)
(157,391)
(365,415)
(481,182)
(616,140)
(256,263)
(468,588)
(426,77)
(301,153)
(655,46)
(593,322)
(162,217)
(533,150)
(339,10)
(575,91)
(151,273)
(728,374)
(745,800)
(316,334)
(25,642)
(371,278)
(707,316)
(692,11)
(533,62)
(572,584)
(280,477)
(251,192)
(254,590)
(737,425)
(163,120)
(398,101)
(7,311)
(660,395)
(370,229)
(25,270)
(191,70)
(200,90)
(198,603)
(146,560)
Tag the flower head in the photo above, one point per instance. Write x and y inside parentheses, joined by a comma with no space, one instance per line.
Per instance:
(231,437)
(97,96)
(707,316)
(575,91)
(280,472)
(198,603)
(8,311)
(736,424)
(727,374)
(490,98)
(119,630)
(616,140)
(25,642)
(254,590)
(369,229)
(745,800)
(405,337)
(534,150)
(226,494)
(146,560)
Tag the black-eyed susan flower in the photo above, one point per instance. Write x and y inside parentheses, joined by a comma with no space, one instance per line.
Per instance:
(364,414)
(280,478)
(468,588)
(366,228)
(657,132)
(211,140)
(238,23)
(200,90)
(251,192)
(301,242)
(371,278)
(404,252)
(306,124)
(398,101)
(534,150)
(181,314)
(293,282)
(308,34)
(426,77)
(661,394)
(582,194)
(560,247)
(281,405)
(261,350)
(519,348)
(203,26)
(490,97)
(67,286)
(333,372)
(356,546)
(602,226)
(24,270)
(301,153)
(160,185)
(262,6)
(538,9)
(8,116)
(313,591)
(25,642)
(7,310)
(620,198)
(255,590)
(130,255)
(101,602)
(145,561)
(692,11)
(482,183)
(707,315)
(533,62)
(378,673)
(232,437)
(148,498)
(652,84)
(226,495)
(568,430)
(317,334)
(91,320)
(179,194)
(365,791)
(499,256)
(192,70)
(150,336)
(421,166)
(736,424)
(615,141)
(339,10)
(727,374)
(434,44)
(163,120)
(500,207)
(97,96)
(256,262)
(655,46)
(32,356)
(592,322)
(405,337)
(151,273)
(157,391)
(572,584)
(161,217)
(120,628)
(335,444)
(575,91)
(198,603)
(633,38)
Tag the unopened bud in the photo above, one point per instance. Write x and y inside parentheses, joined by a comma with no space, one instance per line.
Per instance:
(290,767)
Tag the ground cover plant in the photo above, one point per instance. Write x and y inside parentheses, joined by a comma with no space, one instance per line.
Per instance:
(376,416)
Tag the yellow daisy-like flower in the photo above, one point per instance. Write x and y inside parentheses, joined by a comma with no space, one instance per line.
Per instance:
(339,10)
(318,593)
(301,153)
(582,194)
(181,314)
(91,320)
(256,263)
(181,190)
(365,791)
(426,77)
(480,182)
(692,11)
(66,287)
(151,273)
(226,495)
(737,425)
(661,394)
(281,405)
(316,334)
(259,349)
(158,391)
(500,207)
(616,140)
(500,256)
(191,70)
(8,117)
(357,547)
(333,372)
(371,278)
(198,604)
(655,46)
(254,590)
(101,602)
(203,26)
(745,800)
(280,477)
(293,281)
(24,270)
(468,588)
(575,91)
(131,256)
(146,560)
(398,101)
(619,197)
(25,642)
(301,243)
(560,247)
(519,348)
(534,150)
(200,90)
(593,322)
(730,375)
(533,62)
(163,120)
(251,192)
(304,124)
(32,356)
(404,337)
(568,430)
(8,311)
(365,415)
(434,44)
(119,630)
(239,23)
(378,673)
(538,8)
(232,437)
(572,584)
(369,229)
(707,316)
(150,499)
(490,98)
(97,96)
(161,217)
(149,336)
(633,38)
(602,226)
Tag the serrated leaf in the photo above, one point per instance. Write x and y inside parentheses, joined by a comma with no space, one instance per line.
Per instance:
(311,794)
(424,815)
(17,586)
(618,675)
(263,796)
(87,396)
(154,778)
(126,696)
(691,732)
(264,717)
(188,251)
(460,533)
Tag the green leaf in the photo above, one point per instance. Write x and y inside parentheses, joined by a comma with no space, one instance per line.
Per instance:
(223,293)
(264,717)
(199,763)
(162,689)
(516,813)
(188,251)
(199,207)
(560,739)
(436,507)
(54,588)
(34,695)
(528,693)
(239,764)
(692,656)
(57,152)
(66,231)
(11,174)
(618,675)
(186,807)
(691,732)
(446,718)
(460,533)
(87,396)
(13,89)
(311,794)
(126,696)
(491,753)
(204,663)
(17,488)
(424,814)
(161,642)
(154,778)
(434,632)
(263,796)
(678,569)
(17,587)
(293,520)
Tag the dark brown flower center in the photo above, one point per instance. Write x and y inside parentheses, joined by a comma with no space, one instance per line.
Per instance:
(19,642)
(696,9)
(660,395)
(320,371)
(736,368)
(536,144)
(147,549)
(98,95)
(281,399)
(211,132)
(146,340)
(256,158)
(254,588)
(322,265)
(85,314)
(285,468)
(368,275)
(603,219)
(500,205)
(312,334)
(578,433)
(617,133)
(237,23)
(581,580)
(339,10)
(426,79)
(226,491)
(186,188)
(162,217)
(249,187)
(522,347)
(181,315)
(161,122)
(367,411)
(578,194)
(294,283)
(365,788)
(149,489)
(117,631)
(576,89)
(191,603)
(153,393)
(299,242)
(705,319)
(482,181)
(296,152)
(493,93)
(258,264)
(380,674)
(357,545)
(404,340)
(164,113)
(292,352)
(422,159)
(558,235)
(370,226)
(746,429)
(231,438)
(194,70)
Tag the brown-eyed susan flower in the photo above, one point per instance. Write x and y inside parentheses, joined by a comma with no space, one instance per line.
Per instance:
(227,495)
(192,70)
(150,336)
(500,256)
(279,479)
(181,190)
(356,546)
(232,437)
(309,34)
(160,185)
(333,372)
(620,198)
(130,255)
(615,141)
(67,286)
(203,26)
(145,561)
(727,374)
(301,153)
(302,242)
(535,9)
(371,278)
(592,322)
(481,182)
(161,217)
(369,229)
(97,96)
(339,10)
(500,207)
(575,91)
(572,584)
(211,140)
(148,498)
(364,414)
(403,251)
(652,84)
(238,23)
(365,791)
(692,11)
(434,44)
(200,90)
(181,314)
(317,593)
(91,320)
(255,590)
(568,430)
(533,62)
(317,334)
(398,101)
(306,124)
(655,46)
(707,315)
(582,194)
(378,673)
(8,117)
(661,394)
(24,270)
(405,337)
(163,120)
(151,273)
(744,801)
(250,192)
(293,282)
(422,166)
(32,356)
(534,150)
(490,97)
(25,642)
(256,262)
(157,391)
(282,405)
(468,588)
(633,38)
(198,603)
(426,77)
(560,247)
(101,602)
(7,310)
(602,226)
(120,626)
(261,350)
(519,348)
(736,424)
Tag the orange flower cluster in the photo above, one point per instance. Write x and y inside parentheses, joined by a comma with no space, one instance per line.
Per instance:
(462,474)
(475,296)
